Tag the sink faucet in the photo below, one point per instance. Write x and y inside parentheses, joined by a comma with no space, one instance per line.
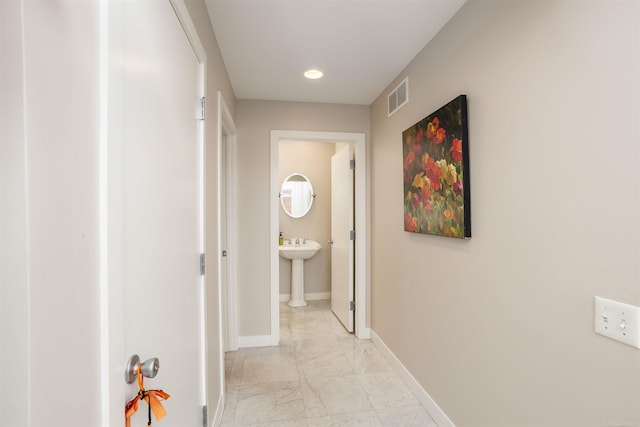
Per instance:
(297,241)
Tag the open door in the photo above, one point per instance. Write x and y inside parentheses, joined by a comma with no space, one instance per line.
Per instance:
(342,247)
(155,204)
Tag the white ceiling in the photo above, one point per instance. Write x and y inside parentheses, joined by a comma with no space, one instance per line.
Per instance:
(360,45)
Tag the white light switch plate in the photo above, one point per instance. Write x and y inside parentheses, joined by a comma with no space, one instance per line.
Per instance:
(618,321)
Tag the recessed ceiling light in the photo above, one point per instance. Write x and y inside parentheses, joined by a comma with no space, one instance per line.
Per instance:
(313,74)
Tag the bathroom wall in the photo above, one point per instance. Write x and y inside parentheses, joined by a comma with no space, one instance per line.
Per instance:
(255,120)
(498,329)
(312,159)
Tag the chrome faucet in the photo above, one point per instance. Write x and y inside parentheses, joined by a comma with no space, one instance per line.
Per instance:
(297,241)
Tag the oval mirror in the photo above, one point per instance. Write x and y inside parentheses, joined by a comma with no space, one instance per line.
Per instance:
(296,195)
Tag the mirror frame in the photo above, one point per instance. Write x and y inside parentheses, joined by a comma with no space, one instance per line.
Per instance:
(313,195)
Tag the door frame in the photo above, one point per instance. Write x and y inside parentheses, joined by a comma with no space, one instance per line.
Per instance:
(362,265)
(227,135)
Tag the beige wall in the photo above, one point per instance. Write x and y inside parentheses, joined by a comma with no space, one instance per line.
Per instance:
(312,159)
(499,329)
(255,120)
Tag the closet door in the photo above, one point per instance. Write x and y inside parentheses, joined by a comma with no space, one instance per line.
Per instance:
(155,178)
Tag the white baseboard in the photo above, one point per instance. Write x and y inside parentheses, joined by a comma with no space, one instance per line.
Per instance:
(427,402)
(255,341)
(313,296)
(217,416)
(363,333)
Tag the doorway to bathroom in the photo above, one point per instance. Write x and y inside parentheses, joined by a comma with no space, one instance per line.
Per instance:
(288,148)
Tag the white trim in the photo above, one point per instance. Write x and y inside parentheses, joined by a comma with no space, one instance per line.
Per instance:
(423,397)
(313,296)
(362,226)
(217,415)
(274,234)
(255,341)
(103,199)
(180,8)
(182,13)
(226,125)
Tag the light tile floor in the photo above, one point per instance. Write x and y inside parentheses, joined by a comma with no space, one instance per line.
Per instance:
(320,375)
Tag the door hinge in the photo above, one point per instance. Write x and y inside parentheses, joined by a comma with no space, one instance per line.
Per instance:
(352,305)
(202,264)
(204,416)
(352,235)
(224,253)
(352,164)
(201,109)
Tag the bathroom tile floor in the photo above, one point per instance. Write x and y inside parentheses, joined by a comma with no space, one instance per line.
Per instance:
(320,375)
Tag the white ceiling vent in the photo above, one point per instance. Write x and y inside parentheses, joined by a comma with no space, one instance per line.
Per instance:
(399,96)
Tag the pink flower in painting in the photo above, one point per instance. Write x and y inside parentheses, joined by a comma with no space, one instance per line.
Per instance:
(415,201)
(457,187)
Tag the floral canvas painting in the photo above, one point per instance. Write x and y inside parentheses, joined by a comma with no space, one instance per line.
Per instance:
(436,173)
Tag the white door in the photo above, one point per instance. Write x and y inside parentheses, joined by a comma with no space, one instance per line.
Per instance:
(342,249)
(156,142)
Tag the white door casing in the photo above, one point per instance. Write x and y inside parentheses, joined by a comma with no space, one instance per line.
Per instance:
(228,228)
(342,247)
(362,329)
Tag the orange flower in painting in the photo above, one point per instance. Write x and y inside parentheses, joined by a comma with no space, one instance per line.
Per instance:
(426,198)
(439,136)
(433,173)
(448,213)
(435,132)
(456,150)
(408,161)
(432,127)
(410,222)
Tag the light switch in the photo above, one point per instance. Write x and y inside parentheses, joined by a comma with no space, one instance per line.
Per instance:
(618,321)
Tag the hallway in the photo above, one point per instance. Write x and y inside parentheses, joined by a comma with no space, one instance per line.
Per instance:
(320,375)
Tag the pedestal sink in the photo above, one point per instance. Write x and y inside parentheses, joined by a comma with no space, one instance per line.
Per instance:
(297,250)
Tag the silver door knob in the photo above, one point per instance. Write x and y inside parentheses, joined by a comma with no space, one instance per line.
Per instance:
(149,368)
